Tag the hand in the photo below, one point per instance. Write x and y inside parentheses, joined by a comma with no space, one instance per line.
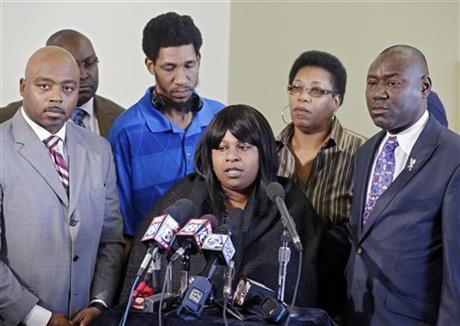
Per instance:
(84,316)
(59,320)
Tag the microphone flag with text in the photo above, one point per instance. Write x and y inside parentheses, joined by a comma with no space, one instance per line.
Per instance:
(160,236)
(191,237)
(161,232)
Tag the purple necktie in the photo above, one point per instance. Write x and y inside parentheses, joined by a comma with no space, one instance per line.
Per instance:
(78,115)
(58,160)
(383,174)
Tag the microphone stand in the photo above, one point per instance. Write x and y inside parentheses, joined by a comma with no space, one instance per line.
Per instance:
(184,280)
(284,255)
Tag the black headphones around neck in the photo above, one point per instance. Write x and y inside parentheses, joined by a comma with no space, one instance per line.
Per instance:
(160,101)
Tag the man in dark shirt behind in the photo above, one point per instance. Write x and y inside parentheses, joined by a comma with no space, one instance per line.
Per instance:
(93,112)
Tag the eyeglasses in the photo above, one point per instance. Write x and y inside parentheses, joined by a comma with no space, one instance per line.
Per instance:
(313,91)
(88,63)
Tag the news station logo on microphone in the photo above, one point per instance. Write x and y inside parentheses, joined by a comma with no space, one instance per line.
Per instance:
(162,230)
(195,295)
(219,243)
(249,292)
(153,227)
(199,229)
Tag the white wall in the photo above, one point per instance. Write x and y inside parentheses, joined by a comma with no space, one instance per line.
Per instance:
(267,37)
(115,30)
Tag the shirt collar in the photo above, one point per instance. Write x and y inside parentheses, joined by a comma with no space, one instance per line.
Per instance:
(88,107)
(41,132)
(408,137)
(335,136)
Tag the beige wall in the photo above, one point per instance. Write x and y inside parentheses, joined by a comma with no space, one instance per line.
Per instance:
(115,28)
(266,38)
(248,47)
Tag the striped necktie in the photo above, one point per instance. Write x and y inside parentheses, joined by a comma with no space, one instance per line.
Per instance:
(78,115)
(59,162)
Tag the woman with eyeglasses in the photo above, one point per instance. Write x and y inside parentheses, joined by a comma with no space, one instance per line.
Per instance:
(315,150)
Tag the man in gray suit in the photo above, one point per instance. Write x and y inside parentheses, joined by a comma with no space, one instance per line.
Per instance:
(95,112)
(61,242)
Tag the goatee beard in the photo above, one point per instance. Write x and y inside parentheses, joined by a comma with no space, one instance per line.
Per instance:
(183,107)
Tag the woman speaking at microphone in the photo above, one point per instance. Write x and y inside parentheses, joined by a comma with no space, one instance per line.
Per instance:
(235,161)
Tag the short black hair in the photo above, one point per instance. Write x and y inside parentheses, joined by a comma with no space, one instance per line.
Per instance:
(408,50)
(64,35)
(170,29)
(326,61)
(247,125)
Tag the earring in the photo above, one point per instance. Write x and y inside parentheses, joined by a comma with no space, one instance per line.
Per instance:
(282,114)
(333,115)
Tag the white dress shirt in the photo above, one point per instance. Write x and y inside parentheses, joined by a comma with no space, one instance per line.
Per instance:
(406,140)
(90,120)
(39,315)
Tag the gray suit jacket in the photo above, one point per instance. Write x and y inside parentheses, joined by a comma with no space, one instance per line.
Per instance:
(56,251)
(105,110)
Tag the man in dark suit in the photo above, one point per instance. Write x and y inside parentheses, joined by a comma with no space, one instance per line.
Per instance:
(61,242)
(404,267)
(95,112)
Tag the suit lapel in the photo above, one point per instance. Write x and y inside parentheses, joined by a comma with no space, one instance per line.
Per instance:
(103,116)
(365,165)
(421,153)
(34,151)
(77,163)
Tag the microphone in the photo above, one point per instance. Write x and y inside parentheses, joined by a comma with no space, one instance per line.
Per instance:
(160,234)
(144,289)
(228,279)
(192,236)
(259,299)
(233,224)
(195,298)
(218,249)
(276,194)
(249,293)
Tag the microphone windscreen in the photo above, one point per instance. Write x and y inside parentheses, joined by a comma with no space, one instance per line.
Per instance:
(212,220)
(274,189)
(173,211)
(185,210)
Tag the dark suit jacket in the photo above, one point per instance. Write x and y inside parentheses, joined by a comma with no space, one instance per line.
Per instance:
(404,267)
(106,112)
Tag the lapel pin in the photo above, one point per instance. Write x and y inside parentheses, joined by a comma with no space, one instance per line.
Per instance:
(411,164)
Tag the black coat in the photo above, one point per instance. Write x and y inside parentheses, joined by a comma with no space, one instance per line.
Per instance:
(257,244)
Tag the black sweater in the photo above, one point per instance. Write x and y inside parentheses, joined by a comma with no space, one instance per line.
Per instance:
(258,241)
